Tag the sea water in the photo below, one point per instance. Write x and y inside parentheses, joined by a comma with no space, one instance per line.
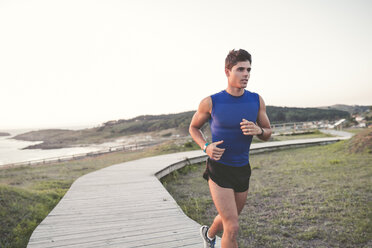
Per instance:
(11,149)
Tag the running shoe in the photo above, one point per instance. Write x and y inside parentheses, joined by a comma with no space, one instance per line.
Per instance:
(208,243)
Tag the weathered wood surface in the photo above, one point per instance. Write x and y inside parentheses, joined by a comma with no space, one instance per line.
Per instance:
(125,205)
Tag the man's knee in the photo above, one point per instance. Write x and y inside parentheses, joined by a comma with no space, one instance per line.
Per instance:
(231,227)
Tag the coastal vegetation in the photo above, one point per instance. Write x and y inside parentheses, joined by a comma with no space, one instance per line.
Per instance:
(352,109)
(317,196)
(177,123)
(285,114)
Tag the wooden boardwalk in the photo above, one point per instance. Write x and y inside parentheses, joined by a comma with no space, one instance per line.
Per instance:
(125,205)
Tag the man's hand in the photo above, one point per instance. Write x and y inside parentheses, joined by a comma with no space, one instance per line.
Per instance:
(213,151)
(249,128)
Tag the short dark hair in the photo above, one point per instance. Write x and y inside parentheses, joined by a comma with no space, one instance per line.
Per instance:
(236,56)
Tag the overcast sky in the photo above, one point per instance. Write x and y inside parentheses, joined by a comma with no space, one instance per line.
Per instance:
(86,62)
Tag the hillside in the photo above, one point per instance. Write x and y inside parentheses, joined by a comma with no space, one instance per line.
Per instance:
(286,114)
(361,142)
(176,124)
(172,124)
(148,123)
(352,109)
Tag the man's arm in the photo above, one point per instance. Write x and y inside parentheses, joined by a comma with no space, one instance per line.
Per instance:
(201,116)
(250,128)
(263,121)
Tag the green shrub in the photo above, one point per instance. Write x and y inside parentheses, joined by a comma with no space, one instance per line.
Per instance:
(21,210)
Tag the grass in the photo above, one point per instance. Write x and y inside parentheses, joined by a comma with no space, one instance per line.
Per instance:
(307,197)
(29,193)
(308,135)
(21,210)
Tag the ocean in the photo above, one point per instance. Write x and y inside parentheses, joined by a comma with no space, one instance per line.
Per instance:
(11,149)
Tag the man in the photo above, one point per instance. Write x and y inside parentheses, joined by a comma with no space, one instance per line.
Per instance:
(235,115)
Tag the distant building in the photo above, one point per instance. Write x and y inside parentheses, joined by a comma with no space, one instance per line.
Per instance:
(359,118)
(362,124)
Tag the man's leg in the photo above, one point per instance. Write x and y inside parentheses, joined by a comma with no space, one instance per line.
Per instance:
(229,205)
(240,199)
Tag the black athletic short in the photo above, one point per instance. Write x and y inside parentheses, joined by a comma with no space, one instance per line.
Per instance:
(236,178)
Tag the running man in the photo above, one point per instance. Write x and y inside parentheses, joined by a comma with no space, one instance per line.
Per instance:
(234,115)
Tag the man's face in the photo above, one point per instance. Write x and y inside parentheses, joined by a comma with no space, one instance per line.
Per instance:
(239,74)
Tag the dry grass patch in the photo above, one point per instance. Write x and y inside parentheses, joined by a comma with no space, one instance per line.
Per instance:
(307,197)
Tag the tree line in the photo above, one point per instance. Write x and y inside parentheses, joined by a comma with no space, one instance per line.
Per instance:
(181,121)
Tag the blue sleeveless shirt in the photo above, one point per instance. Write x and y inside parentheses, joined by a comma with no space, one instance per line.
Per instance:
(227,113)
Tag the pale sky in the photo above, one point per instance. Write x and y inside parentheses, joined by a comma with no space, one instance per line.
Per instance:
(86,62)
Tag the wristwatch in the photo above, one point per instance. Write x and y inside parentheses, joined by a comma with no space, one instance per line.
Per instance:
(262,132)
(205,147)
